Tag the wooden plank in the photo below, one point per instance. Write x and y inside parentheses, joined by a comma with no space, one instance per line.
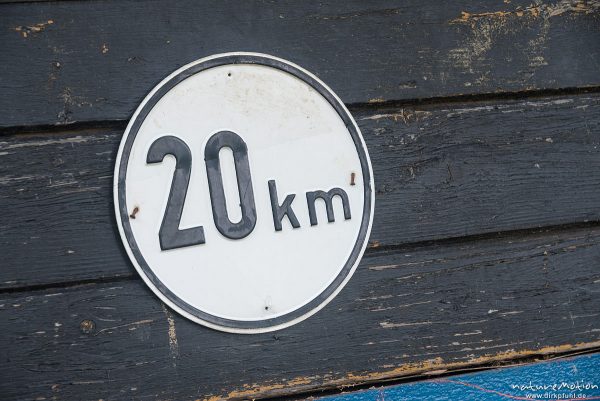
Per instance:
(96,60)
(440,171)
(566,379)
(406,312)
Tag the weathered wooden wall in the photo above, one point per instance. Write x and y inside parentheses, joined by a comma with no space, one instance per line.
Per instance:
(483,124)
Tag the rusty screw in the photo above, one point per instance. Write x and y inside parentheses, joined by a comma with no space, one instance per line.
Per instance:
(135,211)
(352,177)
(87,326)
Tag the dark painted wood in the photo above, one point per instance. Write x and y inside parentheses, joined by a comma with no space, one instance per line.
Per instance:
(78,322)
(96,60)
(440,171)
(414,310)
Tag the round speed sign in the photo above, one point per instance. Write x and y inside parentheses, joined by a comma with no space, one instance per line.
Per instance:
(244,192)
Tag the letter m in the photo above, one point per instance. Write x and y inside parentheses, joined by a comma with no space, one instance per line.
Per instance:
(327,197)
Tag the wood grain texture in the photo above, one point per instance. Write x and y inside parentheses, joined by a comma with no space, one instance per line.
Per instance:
(405,312)
(96,60)
(440,171)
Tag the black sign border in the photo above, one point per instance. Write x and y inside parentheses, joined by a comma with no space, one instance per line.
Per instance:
(319,300)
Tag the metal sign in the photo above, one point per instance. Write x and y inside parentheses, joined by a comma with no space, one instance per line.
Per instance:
(244,192)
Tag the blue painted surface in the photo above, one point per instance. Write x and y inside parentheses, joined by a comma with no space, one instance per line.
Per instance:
(558,380)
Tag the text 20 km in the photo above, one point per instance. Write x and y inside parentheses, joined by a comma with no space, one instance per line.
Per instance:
(171,237)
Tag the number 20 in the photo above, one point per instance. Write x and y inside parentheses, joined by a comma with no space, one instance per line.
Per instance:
(170,236)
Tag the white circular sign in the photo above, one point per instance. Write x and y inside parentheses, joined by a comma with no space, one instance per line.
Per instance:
(244,192)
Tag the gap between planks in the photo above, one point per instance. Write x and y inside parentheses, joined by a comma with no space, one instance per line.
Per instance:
(370,251)
(93,125)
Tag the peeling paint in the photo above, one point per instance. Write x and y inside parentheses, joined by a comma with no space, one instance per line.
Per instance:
(487,28)
(26,30)
(61,141)
(134,324)
(70,100)
(172,334)
(550,10)
(388,325)
(404,115)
